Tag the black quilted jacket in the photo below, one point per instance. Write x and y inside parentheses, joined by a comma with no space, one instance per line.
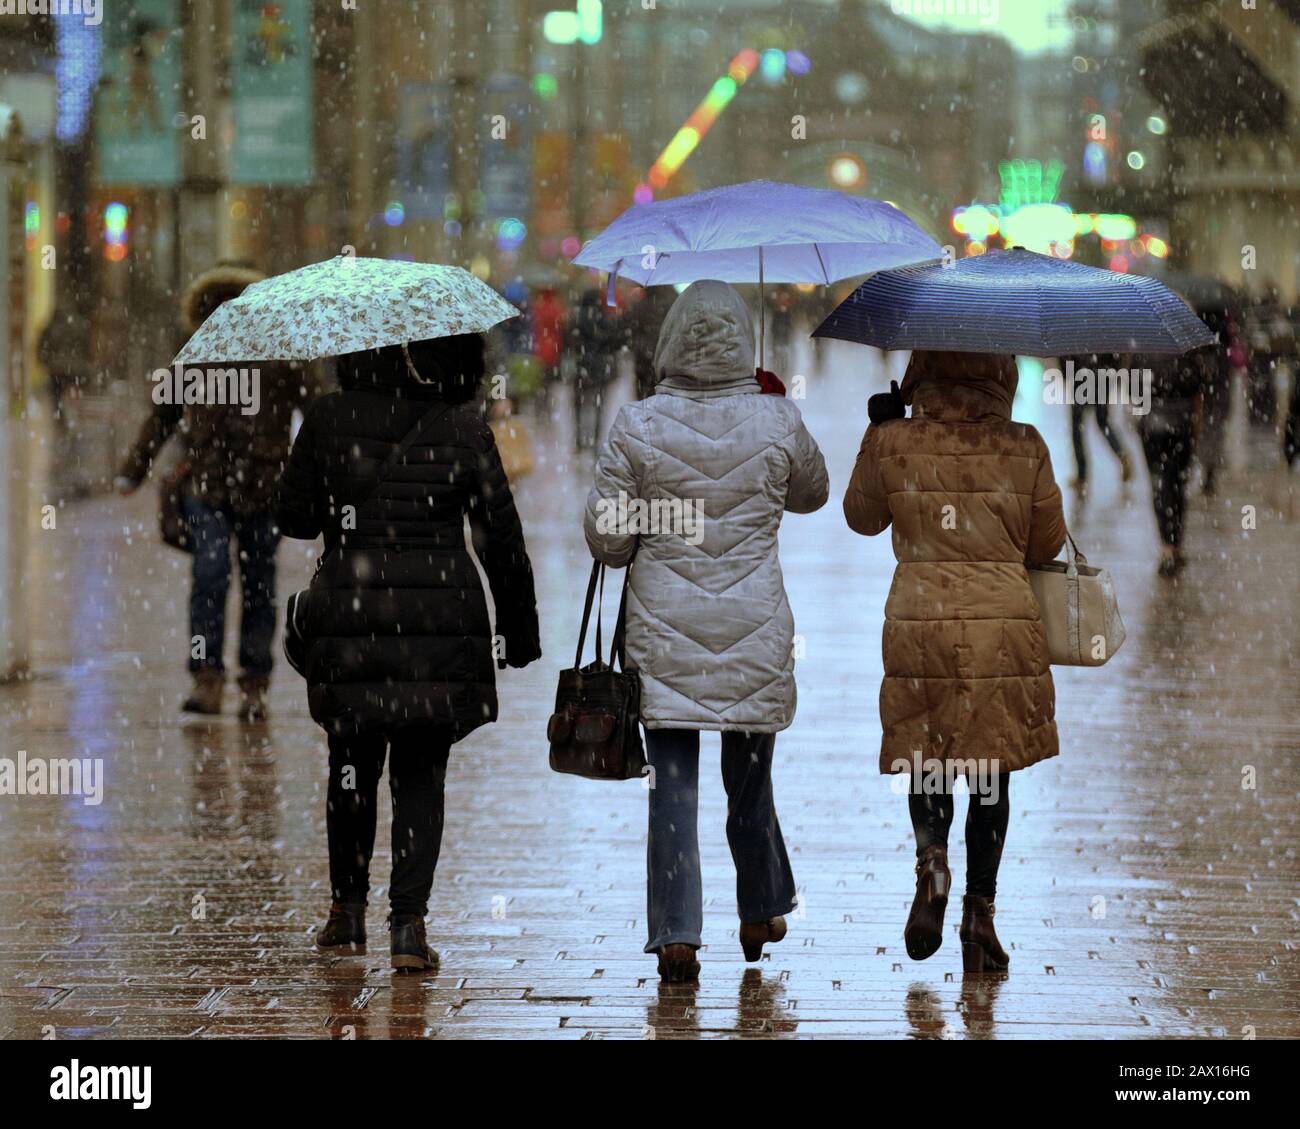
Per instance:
(396,618)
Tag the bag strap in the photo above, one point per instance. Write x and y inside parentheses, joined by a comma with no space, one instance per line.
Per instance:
(1074,558)
(616,648)
(596,597)
(596,571)
(398,453)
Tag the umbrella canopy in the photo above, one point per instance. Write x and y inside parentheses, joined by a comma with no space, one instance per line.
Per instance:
(805,235)
(1016,302)
(344,305)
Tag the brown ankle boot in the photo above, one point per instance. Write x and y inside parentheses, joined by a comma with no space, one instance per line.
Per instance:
(755,934)
(252,697)
(205,697)
(980,949)
(677,964)
(923,933)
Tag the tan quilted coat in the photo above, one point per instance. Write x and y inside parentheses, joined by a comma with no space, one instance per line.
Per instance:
(971,499)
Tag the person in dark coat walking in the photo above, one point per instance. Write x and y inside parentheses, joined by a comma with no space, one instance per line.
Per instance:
(1168,441)
(597,339)
(399,648)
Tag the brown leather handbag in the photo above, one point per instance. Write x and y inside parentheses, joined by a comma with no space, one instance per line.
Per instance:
(595,730)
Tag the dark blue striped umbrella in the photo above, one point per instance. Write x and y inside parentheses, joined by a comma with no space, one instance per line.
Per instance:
(1016,302)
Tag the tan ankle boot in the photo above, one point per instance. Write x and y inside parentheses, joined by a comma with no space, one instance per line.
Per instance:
(205,697)
(252,697)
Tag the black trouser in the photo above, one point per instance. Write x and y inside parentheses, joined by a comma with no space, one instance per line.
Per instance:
(1078,423)
(417,771)
(1169,455)
(986,831)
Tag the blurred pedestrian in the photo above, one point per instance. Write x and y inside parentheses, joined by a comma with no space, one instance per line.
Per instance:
(547,318)
(596,341)
(783,305)
(1079,412)
(230,464)
(642,321)
(968,688)
(708,623)
(397,646)
(64,351)
(1168,441)
(1269,330)
(1216,397)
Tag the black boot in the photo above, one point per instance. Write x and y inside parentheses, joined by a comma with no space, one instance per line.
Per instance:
(980,949)
(923,933)
(345,929)
(411,952)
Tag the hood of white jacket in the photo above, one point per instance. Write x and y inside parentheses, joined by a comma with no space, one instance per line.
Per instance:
(706,344)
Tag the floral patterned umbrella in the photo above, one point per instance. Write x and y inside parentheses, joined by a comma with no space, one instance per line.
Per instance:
(344,305)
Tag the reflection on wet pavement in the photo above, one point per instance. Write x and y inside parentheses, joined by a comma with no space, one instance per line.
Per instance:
(1148,885)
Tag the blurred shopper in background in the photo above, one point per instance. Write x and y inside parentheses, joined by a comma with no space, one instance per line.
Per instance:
(230,464)
(547,317)
(641,333)
(64,350)
(1168,433)
(596,340)
(1079,421)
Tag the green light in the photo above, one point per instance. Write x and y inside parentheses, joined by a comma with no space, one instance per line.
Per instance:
(1115,227)
(1029,182)
(590,21)
(585,24)
(722,92)
(560,27)
(545,86)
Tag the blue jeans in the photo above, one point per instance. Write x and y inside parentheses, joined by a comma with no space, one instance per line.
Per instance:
(764,883)
(257,537)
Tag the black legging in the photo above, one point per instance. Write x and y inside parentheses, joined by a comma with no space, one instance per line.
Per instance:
(417,771)
(986,831)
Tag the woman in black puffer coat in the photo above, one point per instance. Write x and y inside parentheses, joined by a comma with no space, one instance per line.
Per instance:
(401,650)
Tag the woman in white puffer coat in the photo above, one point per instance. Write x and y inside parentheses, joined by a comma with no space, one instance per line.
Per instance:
(694,480)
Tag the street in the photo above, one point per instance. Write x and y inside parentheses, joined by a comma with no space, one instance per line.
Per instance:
(1147,888)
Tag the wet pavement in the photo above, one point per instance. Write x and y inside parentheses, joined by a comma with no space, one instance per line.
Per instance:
(1148,886)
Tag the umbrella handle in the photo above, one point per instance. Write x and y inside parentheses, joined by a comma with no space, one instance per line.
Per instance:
(762,312)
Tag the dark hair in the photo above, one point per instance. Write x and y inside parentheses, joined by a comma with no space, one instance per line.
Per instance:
(451,368)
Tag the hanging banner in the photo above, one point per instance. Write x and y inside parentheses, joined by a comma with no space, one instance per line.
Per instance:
(423,158)
(137,137)
(272,93)
(506,154)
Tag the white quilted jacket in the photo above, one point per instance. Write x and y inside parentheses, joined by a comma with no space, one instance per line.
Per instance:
(700,474)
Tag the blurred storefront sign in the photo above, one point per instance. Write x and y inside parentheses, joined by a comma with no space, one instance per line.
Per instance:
(506,157)
(137,139)
(552,152)
(423,155)
(613,178)
(271,85)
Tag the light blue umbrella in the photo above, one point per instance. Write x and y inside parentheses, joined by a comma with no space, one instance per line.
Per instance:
(1020,303)
(757,232)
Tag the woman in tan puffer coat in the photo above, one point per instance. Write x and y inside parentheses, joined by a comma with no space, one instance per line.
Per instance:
(967,690)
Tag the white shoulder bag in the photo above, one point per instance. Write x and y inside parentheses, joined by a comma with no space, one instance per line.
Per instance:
(1080,613)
